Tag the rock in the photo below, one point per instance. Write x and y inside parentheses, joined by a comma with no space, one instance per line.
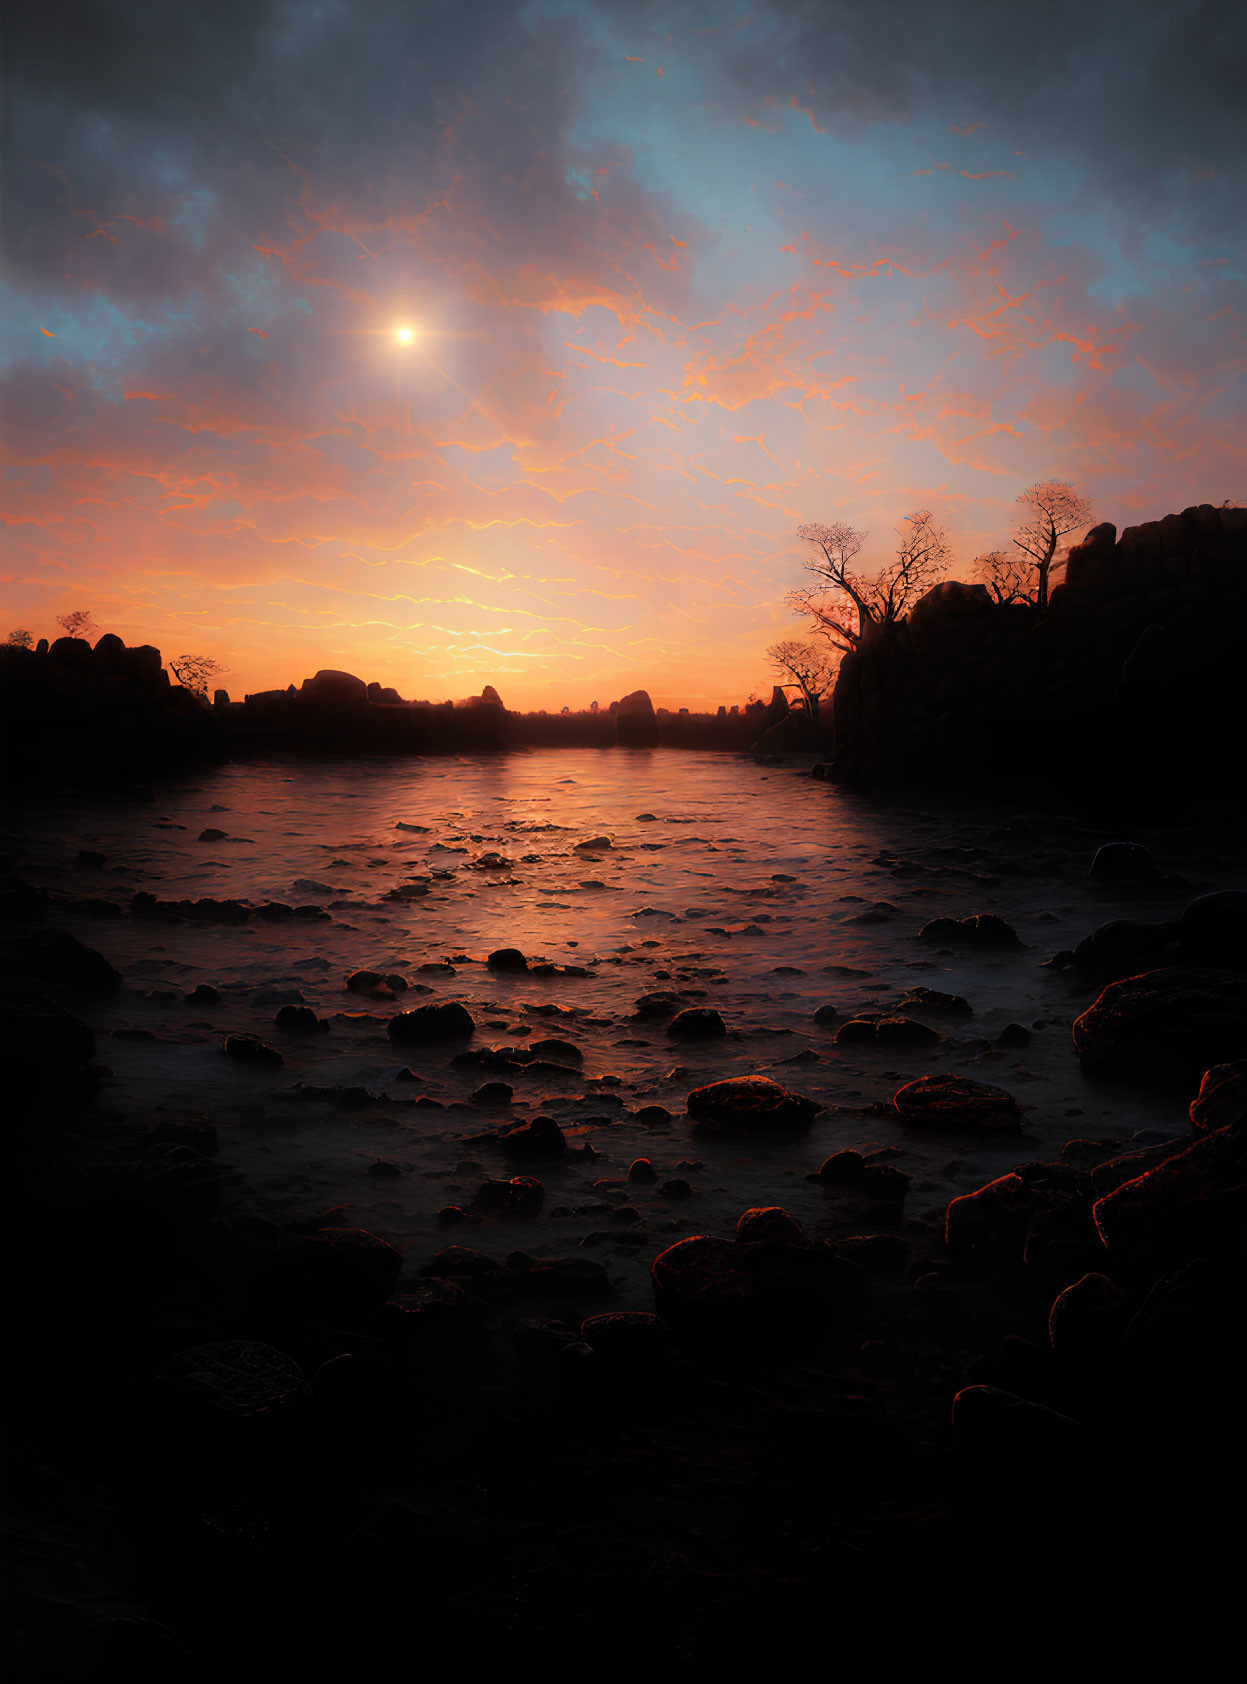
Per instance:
(521,1196)
(555,1050)
(593,845)
(1087,1319)
(541,1138)
(662,1003)
(1014,1035)
(54,956)
(237,1377)
(635,723)
(212,834)
(1193,1204)
(843,1166)
(956,1102)
(1123,862)
(884,1253)
(931,1000)
(447,1020)
(203,994)
(1175,1021)
(983,929)
(364,982)
(676,1188)
(762,1288)
(827,1015)
(1222,1097)
(904,1031)
(507,959)
(990,1221)
(40,1035)
(641,1172)
(1213,930)
(556,1277)
(250,1049)
(384,1169)
(1114,1172)
(885,1183)
(633,1339)
(22,902)
(749,1103)
(770,1225)
(1010,1429)
(654,1116)
(299,1020)
(697,1023)
(1186,1338)
(493,1093)
(334,691)
(858,1031)
(339,1271)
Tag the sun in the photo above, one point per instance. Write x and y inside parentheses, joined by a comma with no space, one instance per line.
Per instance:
(405,335)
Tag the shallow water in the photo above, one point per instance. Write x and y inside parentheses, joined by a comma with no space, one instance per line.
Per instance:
(753,889)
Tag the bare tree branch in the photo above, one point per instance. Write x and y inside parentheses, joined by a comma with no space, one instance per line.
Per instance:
(1050,510)
(810,665)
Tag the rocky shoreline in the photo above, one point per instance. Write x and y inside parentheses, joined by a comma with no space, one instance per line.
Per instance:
(231,1436)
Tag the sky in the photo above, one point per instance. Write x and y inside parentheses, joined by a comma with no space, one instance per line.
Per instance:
(678,278)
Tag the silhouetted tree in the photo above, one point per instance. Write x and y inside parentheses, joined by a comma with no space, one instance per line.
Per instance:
(1006,573)
(1051,510)
(20,639)
(80,623)
(846,606)
(809,664)
(193,672)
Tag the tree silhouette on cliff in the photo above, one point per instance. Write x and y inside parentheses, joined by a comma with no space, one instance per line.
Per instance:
(809,664)
(80,622)
(848,607)
(1051,510)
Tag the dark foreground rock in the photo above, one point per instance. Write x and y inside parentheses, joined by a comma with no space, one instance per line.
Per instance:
(1173,1022)
(448,1020)
(744,1103)
(957,1102)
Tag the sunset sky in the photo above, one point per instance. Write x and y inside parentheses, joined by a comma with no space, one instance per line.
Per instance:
(678,277)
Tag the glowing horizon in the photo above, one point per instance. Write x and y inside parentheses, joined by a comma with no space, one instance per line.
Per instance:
(521,366)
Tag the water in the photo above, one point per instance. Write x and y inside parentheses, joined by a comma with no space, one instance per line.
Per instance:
(753,889)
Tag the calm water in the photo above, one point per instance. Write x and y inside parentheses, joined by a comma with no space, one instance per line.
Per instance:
(753,889)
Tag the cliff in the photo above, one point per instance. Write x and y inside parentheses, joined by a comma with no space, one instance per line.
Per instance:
(1130,680)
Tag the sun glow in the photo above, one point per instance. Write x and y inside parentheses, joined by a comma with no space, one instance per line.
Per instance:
(405,335)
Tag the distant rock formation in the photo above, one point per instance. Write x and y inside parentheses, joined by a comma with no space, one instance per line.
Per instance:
(636,725)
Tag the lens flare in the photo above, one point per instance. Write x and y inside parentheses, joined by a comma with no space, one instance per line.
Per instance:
(405,335)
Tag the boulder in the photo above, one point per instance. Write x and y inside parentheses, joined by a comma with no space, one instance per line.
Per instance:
(636,725)
(339,691)
(1123,862)
(697,1023)
(1222,1096)
(236,1377)
(981,929)
(507,959)
(770,1285)
(957,1103)
(447,1020)
(333,1271)
(36,1032)
(1087,1319)
(749,1103)
(250,1049)
(56,957)
(1175,1020)
(1193,1204)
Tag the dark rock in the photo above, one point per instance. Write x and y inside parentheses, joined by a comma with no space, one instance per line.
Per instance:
(697,1023)
(507,959)
(635,723)
(1186,1339)
(211,834)
(40,1035)
(827,1015)
(904,1031)
(447,1020)
(1123,862)
(1193,1204)
(931,1000)
(1114,1172)
(884,1253)
(992,1220)
(640,1170)
(541,1138)
(956,1102)
(250,1049)
(749,1103)
(885,1183)
(1087,1319)
(334,1271)
(364,982)
(857,1031)
(843,1166)
(382,1169)
(1222,1097)
(1002,1426)
(770,1225)
(299,1020)
(54,956)
(237,1377)
(983,929)
(676,1188)
(721,1289)
(493,1093)
(653,1116)
(1175,1020)
(662,1003)
(556,1051)
(203,994)
(1014,1035)
(632,1339)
